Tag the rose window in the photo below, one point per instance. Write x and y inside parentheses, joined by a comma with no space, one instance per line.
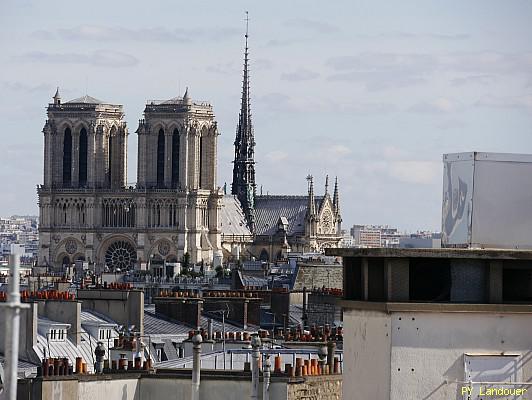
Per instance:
(164,248)
(71,246)
(120,254)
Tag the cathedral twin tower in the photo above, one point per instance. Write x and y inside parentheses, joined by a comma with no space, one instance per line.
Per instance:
(87,211)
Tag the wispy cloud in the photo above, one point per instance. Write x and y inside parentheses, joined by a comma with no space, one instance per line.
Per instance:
(417,35)
(513,102)
(229,68)
(286,41)
(301,74)
(437,106)
(156,34)
(26,88)
(418,172)
(99,58)
(311,25)
(276,156)
(482,80)
(378,71)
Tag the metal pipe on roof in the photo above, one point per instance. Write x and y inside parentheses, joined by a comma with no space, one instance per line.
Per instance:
(255,356)
(13,307)
(196,366)
(266,379)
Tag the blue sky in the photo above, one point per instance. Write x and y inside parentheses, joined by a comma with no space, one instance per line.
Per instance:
(371,91)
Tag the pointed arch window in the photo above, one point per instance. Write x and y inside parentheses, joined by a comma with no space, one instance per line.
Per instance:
(67,158)
(160,159)
(83,158)
(110,145)
(175,158)
(201,161)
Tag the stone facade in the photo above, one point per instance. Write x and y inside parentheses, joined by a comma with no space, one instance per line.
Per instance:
(327,387)
(296,224)
(88,212)
(319,275)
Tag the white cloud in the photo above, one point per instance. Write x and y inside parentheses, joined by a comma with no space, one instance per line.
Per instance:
(417,172)
(117,33)
(301,74)
(512,102)
(100,58)
(482,80)
(312,25)
(393,152)
(276,156)
(440,105)
(25,87)
(338,150)
(379,71)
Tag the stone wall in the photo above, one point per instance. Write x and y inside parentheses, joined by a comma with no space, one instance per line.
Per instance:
(316,388)
(215,385)
(323,309)
(319,275)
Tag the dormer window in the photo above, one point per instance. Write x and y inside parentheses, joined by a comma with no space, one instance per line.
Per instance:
(104,334)
(57,335)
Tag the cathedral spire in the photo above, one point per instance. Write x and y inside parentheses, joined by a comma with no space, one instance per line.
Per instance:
(57,97)
(326,185)
(311,201)
(186,97)
(243,185)
(336,198)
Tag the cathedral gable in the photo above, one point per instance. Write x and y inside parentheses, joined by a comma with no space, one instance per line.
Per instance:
(327,223)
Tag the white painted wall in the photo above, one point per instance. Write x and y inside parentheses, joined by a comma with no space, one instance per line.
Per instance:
(155,388)
(423,354)
(428,349)
(367,345)
(124,389)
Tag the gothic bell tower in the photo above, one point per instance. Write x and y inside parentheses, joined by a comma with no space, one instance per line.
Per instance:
(243,185)
(85,144)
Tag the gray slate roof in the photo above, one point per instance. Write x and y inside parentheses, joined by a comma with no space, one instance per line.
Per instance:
(25,368)
(250,280)
(268,210)
(232,219)
(159,325)
(86,100)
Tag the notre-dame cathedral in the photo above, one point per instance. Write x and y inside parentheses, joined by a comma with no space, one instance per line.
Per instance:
(88,212)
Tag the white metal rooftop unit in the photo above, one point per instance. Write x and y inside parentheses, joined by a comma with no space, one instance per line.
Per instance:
(487,200)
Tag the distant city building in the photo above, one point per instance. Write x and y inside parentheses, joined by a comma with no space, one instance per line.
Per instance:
(385,236)
(347,240)
(366,236)
(19,235)
(421,240)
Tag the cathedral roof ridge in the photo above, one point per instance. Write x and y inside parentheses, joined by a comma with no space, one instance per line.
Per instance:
(178,100)
(86,100)
(285,196)
(281,196)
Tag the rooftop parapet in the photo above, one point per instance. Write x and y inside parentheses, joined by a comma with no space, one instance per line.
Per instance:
(437,275)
